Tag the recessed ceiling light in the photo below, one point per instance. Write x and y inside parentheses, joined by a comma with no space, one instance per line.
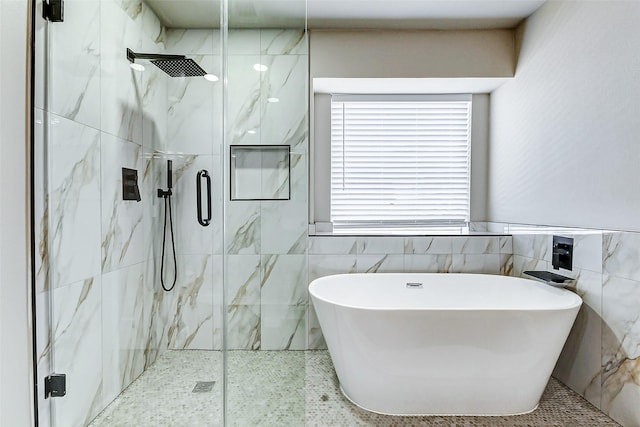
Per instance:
(273,100)
(260,67)
(251,132)
(211,77)
(137,67)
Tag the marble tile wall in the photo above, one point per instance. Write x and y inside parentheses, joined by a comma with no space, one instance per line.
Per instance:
(191,314)
(600,357)
(488,254)
(266,240)
(96,296)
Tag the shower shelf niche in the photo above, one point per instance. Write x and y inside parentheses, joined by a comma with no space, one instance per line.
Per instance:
(260,172)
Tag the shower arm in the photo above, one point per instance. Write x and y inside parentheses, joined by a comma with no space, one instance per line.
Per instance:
(132,56)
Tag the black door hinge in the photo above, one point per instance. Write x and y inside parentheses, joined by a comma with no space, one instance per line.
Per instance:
(55,385)
(53,10)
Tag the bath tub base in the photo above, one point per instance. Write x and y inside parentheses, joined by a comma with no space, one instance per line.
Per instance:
(432,414)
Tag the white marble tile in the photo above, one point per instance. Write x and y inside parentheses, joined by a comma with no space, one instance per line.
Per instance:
(150,24)
(478,226)
(121,86)
(506,264)
(162,307)
(43,352)
(133,8)
(475,245)
(244,108)
(315,339)
(380,263)
(274,174)
(327,265)
(191,237)
(243,42)
(194,115)
(284,121)
(192,323)
(621,255)
(283,227)
(154,105)
(153,177)
(74,182)
(243,227)
(497,227)
(283,279)
(40,58)
(533,245)
(624,407)
(333,245)
(246,174)
(299,177)
(77,351)
(243,279)
(283,42)
(579,364)
(41,205)
(587,251)
(243,325)
(74,63)
(621,299)
(192,41)
(475,263)
(283,327)
(380,245)
(427,245)
(427,263)
(522,264)
(620,350)
(123,241)
(126,319)
(506,245)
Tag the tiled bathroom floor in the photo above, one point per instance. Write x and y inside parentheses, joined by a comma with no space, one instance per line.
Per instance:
(291,388)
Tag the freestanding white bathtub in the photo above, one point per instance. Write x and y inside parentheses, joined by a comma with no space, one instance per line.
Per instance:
(458,344)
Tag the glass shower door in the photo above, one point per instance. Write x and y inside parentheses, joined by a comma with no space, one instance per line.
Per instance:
(266,144)
(108,126)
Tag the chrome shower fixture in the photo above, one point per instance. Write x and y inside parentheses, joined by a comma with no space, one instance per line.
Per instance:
(173,65)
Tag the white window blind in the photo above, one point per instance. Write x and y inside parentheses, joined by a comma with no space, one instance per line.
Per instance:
(400,161)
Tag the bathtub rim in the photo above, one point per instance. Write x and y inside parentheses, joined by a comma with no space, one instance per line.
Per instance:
(574,300)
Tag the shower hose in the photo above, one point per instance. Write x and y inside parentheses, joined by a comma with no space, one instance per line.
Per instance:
(167,212)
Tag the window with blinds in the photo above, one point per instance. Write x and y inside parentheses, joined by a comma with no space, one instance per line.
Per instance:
(399,161)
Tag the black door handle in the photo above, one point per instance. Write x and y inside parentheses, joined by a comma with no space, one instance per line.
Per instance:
(203,174)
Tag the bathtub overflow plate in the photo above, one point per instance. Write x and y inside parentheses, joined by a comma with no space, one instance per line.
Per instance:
(414,285)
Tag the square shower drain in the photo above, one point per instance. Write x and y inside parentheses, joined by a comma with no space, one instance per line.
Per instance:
(203,386)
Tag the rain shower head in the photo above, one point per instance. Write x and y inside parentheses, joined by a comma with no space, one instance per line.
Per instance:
(173,65)
(179,67)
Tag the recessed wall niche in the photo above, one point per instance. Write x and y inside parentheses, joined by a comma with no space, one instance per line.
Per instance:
(260,172)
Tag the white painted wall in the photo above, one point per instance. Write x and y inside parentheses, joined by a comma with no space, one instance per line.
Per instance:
(15,342)
(565,133)
(411,54)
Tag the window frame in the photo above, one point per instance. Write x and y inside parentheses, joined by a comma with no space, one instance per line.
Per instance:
(404,226)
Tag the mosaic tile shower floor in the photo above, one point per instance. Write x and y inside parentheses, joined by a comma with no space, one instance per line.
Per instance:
(292,388)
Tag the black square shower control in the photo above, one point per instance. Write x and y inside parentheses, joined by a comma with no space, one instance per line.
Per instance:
(130,190)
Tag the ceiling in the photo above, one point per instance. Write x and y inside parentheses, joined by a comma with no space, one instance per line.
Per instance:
(347,14)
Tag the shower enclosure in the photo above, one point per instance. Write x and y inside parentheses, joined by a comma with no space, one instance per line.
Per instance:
(220,347)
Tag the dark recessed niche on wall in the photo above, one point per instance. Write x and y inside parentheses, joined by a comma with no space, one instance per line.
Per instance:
(260,172)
